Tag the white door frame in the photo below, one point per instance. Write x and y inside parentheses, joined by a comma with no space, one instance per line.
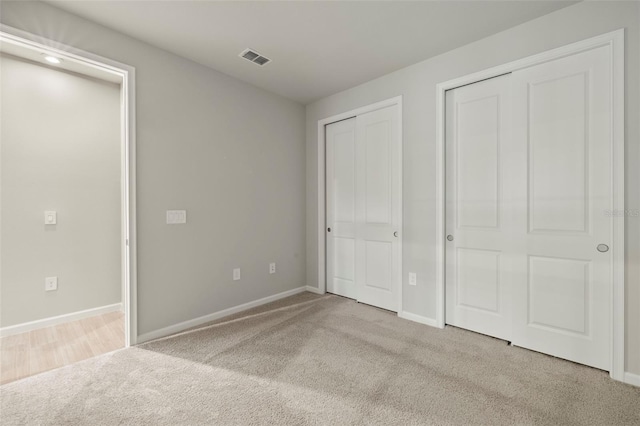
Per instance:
(128,159)
(322,223)
(615,40)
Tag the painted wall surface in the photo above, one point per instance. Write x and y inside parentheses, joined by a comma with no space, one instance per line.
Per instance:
(417,85)
(229,153)
(60,150)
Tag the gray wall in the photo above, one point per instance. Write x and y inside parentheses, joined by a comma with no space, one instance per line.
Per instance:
(417,84)
(229,153)
(60,142)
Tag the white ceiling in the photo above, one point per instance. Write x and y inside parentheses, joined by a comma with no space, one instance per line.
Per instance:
(317,48)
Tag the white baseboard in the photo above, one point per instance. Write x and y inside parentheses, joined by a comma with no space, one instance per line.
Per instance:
(632,379)
(60,319)
(418,318)
(182,326)
(312,289)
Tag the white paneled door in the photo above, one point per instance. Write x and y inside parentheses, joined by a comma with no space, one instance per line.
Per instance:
(479,223)
(364,208)
(562,121)
(529,183)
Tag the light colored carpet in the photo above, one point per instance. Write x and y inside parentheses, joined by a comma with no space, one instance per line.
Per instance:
(321,360)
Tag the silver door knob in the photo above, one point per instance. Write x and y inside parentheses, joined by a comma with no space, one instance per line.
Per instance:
(395,234)
(602,248)
(449,237)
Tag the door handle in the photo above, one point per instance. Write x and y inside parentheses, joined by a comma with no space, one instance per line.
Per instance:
(449,237)
(602,248)
(395,234)
(328,229)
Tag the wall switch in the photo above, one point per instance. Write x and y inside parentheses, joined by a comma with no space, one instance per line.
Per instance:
(236,274)
(413,278)
(272,268)
(50,217)
(176,217)
(50,283)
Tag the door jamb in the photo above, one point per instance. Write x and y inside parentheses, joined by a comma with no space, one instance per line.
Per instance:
(128,157)
(615,40)
(322,225)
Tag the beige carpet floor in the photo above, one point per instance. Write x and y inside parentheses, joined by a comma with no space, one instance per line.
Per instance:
(321,360)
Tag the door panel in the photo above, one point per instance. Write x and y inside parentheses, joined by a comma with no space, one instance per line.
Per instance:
(377,165)
(562,131)
(378,265)
(378,208)
(558,147)
(478,294)
(341,190)
(558,290)
(477,158)
(478,279)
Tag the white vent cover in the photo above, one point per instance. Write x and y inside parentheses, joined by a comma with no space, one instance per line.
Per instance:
(255,57)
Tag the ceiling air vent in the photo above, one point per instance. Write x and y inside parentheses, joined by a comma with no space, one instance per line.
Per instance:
(255,57)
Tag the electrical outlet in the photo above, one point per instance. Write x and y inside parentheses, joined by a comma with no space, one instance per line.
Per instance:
(413,278)
(272,268)
(236,274)
(50,283)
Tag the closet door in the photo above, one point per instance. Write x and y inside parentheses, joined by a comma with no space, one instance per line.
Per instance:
(364,208)
(341,207)
(378,208)
(479,222)
(562,130)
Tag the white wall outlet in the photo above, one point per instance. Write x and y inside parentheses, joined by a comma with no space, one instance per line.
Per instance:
(236,274)
(272,268)
(176,217)
(50,217)
(50,283)
(413,278)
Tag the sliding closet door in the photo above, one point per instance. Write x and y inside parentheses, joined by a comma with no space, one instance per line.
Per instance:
(341,207)
(478,212)
(364,208)
(562,129)
(378,208)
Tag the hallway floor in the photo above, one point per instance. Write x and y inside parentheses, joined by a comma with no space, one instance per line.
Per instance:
(26,354)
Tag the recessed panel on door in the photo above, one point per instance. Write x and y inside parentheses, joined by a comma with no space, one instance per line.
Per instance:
(378,265)
(559,294)
(558,153)
(344,254)
(478,279)
(478,158)
(377,183)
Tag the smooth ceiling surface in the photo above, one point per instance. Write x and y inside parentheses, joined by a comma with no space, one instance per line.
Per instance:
(317,48)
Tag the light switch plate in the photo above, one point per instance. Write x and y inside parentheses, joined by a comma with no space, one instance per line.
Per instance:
(50,283)
(413,278)
(176,217)
(50,217)
(272,268)
(236,274)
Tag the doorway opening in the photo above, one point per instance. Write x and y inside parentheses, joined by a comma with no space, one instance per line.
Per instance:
(68,281)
